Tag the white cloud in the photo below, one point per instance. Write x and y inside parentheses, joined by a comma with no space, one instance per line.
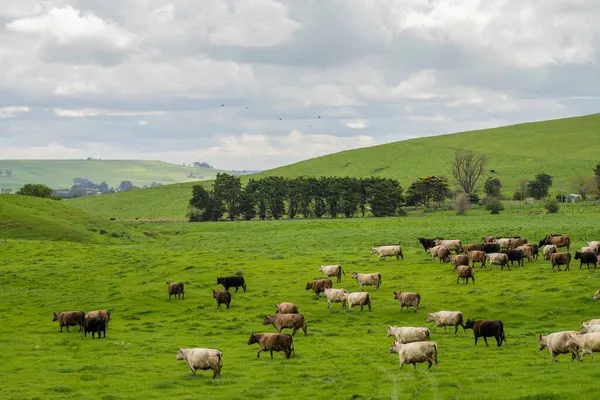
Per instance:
(89,112)
(9,112)
(356,123)
(164,13)
(143,123)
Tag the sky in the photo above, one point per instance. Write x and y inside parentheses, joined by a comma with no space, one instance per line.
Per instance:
(254,84)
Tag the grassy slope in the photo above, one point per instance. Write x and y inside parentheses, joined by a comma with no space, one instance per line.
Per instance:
(345,354)
(59,174)
(563,148)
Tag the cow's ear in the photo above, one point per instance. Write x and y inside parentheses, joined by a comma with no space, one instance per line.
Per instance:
(540,335)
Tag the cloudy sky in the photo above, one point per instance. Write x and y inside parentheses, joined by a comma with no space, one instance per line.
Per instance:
(146,79)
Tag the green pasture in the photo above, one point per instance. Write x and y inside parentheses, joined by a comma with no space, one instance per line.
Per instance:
(346,353)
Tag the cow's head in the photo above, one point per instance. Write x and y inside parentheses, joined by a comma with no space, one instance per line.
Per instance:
(354,275)
(307,287)
(267,320)
(470,324)
(395,347)
(55,317)
(390,331)
(596,295)
(180,355)
(542,342)
(430,318)
(373,250)
(397,295)
(252,339)
(220,280)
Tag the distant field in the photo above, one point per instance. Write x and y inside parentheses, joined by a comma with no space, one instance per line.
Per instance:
(59,174)
(346,353)
(564,148)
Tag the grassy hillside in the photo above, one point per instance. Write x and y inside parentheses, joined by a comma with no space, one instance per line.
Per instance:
(59,174)
(346,353)
(24,217)
(563,148)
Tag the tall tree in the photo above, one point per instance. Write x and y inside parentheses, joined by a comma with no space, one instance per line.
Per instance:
(318,190)
(294,195)
(204,206)
(228,190)
(467,168)
(332,194)
(492,187)
(384,196)
(259,195)
(427,189)
(538,188)
(276,191)
(35,190)
(247,205)
(306,196)
(583,185)
(349,196)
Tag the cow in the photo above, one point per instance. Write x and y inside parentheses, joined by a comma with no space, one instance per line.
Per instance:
(516,242)
(69,318)
(557,344)
(333,270)
(202,359)
(515,255)
(558,259)
(490,248)
(589,328)
(485,329)
(416,352)
(283,321)
(557,240)
(445,319)
(465,272)
(388,251)
(222,297)
(286,308)
(319,285)
(504,243)
(477,256)
(175,289)
(273,342)
(490,239)
(408,299)
(100,313)
(235,281)
(586,258)
(500,259)
(94,325)
(587,249)
(596,295)
(535,249)
(527,252)
(357,299)
(452,244)
(335,296)
(409,334)
(459,259)
(472,247)
(549,249)
(427,243)
(373,279)
(595,245)
(587,343)
(442,252)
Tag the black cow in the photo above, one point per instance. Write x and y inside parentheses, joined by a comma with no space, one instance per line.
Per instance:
(232,281)
(490,247)
(486,329)
(588,257)
(427,243)
(94,325)
(515,255)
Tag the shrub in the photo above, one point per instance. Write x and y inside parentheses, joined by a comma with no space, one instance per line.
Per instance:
(552,206)
(461,204)
(494,205)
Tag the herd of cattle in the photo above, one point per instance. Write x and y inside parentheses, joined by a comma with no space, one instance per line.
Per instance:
(412,344)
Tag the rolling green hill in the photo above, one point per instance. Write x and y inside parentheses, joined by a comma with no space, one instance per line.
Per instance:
(59,174)
(563,148)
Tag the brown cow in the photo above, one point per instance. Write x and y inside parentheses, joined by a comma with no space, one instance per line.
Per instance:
(516,242)
(175,289)
(465,272)
(478,256)
(459,259)
(319,285)
(408,299)
(282,321)
(273,342)
(472,247)
(286,308)
(558,259)
(222,297)
(69,318)
(557,240)
(486,329)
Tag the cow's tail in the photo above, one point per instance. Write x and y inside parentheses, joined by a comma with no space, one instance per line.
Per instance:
(342,270)
(220,362)
(418,299)
(502,328)
(380,281)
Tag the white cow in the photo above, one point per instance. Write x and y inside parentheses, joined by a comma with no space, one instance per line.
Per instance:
(452,244)
(388,251)
(335,296)
(588,343)
(409,334)
(202,359)
(416,352)
(557,344)
(589,328)
(333,270)
(445,319)
(357,299)
(373,279)
(548,250)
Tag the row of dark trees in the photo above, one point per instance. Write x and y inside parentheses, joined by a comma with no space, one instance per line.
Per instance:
(276,197)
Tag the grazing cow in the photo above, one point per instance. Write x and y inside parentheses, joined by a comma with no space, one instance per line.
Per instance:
(549,249)
(100,313)
(459,259)
(558,259)
(596,295)
(335,296)
(445,319)
(515,255)
(516,242)
(486,329)
(235,281)
(535,249)
(70,318)
(202,359)
(589,328)
(490,239)
(587,343)
(416,352)
(491,247)
(472,247)
(452,244)
(388,251)
(595,245)
(283,321)
(408,299)
(504,243)
(557,240)
(94,325)
(319,285)
(477,256)
(409,334)
(273,342)
(175,289)
(427,243)
(222,297)
(333,270)
(500,259)
(373,279)
(586,258)
(357,299)
(591,322)
(442,252)
(557,344)
(286,308)
(527,252)
(465,272)
(587,249)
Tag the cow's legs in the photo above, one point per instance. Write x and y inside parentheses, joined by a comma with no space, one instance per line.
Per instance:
(485,340)
(271,354)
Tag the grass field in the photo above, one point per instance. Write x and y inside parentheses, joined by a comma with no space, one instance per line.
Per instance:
(345,354)
(59,174)
(564,148)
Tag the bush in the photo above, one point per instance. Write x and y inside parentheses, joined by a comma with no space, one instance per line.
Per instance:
(518,196)
(494,205)
(461,204)
(552,206)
